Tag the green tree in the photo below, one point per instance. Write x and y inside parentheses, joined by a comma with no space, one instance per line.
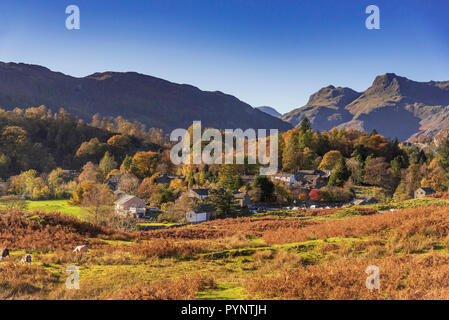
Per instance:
(305,125)
(224,203)
(56,183)
(396,165)
(227,177)
(107,163)
(5,163)
(442,155)
(265,188)
(340,174)
(162,194)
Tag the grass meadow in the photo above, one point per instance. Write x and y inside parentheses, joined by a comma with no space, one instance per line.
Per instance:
(293,254)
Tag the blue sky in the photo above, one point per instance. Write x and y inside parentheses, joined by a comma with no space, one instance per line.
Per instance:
(264,52)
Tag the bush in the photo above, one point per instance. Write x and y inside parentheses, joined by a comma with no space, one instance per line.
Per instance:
(173,289)
(336,194)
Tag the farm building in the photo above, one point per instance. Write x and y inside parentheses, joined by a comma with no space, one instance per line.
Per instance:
(305,179)
(283,177)
(422,192)
(130,205)
(312,179)
(242,198)
(199,194)
(200,214)
(167,178)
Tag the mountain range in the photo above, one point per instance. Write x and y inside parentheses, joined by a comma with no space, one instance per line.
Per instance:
(155,102)
(393,105)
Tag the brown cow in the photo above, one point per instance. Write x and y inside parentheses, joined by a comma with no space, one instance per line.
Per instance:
(81,249)
(26,259)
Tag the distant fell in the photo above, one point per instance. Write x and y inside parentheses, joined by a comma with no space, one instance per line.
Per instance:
(134,96)
(393,105)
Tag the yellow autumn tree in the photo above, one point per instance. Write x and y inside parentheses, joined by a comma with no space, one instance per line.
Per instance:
(329,160)
(435,178)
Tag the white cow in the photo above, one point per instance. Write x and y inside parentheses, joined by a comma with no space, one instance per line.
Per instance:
(26,259)
(82,248)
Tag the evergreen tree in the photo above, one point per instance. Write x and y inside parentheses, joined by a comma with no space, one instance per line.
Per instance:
(224,203)
(227,177)
(340,174)
(265,187)
(305,125)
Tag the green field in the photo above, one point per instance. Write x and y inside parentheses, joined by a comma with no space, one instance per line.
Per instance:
(61,206)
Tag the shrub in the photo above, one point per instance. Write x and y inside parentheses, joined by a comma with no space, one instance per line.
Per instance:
(336,194)
(184,288)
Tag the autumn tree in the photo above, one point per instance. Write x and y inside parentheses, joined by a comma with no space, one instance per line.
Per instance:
(378,173)
(91,150)
(90,172)
(330,160)
(176,212)
(81,189)
(129,183)
(436,177)
(144,164)
(120,144)
(291,156)
(146,188)
(98,202)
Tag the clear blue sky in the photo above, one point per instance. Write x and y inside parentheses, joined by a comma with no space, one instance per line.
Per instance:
(264,52)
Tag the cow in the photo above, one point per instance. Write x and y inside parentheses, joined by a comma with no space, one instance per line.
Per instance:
(82,248)
(26,259)
(3,254)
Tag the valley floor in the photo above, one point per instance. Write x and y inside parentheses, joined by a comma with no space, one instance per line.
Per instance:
(294,254)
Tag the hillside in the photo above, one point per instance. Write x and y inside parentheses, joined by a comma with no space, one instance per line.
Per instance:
(294,254)
(271,111)
(37,139)
(421,108)
(152,101)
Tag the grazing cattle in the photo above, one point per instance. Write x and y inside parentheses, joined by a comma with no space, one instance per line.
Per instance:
(26,259)
(81,249)
(3,254)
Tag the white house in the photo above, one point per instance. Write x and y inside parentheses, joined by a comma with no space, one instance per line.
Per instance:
(200,214)
(284,177)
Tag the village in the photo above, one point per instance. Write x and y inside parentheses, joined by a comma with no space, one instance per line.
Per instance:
(308,182)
